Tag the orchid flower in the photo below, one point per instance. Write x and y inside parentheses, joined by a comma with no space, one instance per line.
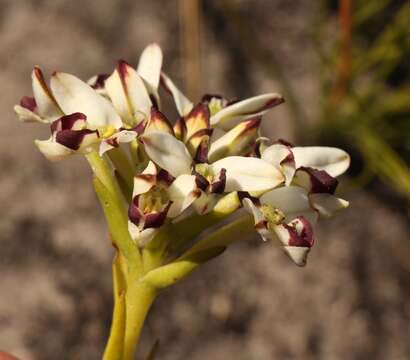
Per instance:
(290,212)
(156,196)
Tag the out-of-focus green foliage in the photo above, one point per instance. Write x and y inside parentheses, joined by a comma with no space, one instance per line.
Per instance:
(373,115)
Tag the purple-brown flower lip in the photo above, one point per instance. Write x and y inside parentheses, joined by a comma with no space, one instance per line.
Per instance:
(218,186)
(28,103)
(65,131)
(156,219)
(320,180)
(302,236)
(99,82)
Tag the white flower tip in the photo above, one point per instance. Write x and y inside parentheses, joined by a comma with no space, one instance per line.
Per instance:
(53,151)
(326,204)
(298,254)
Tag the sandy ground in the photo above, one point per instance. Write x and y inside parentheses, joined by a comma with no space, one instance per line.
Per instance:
(350,302)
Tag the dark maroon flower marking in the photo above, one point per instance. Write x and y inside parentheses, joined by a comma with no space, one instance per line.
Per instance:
(67,122)
(300,237)
(245,195)
(200,180)
(320,180)
(165,177)
(284,142)
(156,219)
(218,187)
(154,101)
(99,82)
(201,155)
(72,138)
(28,103)
(134,213)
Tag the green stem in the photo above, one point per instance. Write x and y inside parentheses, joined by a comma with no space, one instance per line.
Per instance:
(104,173)
(138,300)
(115,345)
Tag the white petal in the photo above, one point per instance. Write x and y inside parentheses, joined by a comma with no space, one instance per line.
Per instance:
(183,104)
(182,193)
(168,152)
(46,104)
(128,93)
(276,155)
(235,141)
(327,204)
(145,181)
(288,199)
(248,174)
(52,150)
(74,95)
(333,160)
(143,237)
(252,209)
(150,63)
(26,115)
(298,254)
(232,114)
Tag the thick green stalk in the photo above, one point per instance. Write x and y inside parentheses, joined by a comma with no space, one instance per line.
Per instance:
(138,300)
(115,345)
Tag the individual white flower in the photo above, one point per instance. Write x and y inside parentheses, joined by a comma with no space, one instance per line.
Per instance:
(156,196)
(69,135)
(89,116)
(291,211)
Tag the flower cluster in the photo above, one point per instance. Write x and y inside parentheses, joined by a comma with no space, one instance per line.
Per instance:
(185,167)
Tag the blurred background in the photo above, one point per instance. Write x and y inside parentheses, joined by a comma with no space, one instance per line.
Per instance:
(343,68)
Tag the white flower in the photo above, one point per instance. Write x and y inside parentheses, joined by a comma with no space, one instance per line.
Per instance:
(89,116)
(156,196)
(289,213)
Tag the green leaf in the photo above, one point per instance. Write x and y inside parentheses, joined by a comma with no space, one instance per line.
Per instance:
(169,274)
